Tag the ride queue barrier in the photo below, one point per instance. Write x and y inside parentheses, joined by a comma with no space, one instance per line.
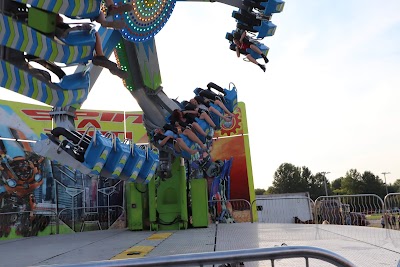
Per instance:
(223,257)
(335,209)
(103,217)
(322,208)
(392,211)
(29,223)
(239,210)
(347,209)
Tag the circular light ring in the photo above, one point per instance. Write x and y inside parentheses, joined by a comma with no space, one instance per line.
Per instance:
(146,19)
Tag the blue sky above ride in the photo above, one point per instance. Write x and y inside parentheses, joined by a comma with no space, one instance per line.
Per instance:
(146,19)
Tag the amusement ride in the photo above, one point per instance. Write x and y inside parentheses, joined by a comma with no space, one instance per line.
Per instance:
(34,33)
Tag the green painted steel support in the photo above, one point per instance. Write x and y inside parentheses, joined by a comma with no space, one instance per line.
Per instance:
(152,204)
(199,200)
(168,200)
(136,206)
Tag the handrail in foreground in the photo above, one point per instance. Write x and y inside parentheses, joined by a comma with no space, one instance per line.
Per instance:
(221,257)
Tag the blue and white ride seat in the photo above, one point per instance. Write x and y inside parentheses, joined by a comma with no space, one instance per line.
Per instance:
(248,19)
(231,98)
(215,118)
(206,128)
(267,28)
(191,144)
(149,167)
(84,9)
(117,159)
(134,164)
(84,34)
(76,81)
(83,37)
(168,146)
(273,6)
(97,152)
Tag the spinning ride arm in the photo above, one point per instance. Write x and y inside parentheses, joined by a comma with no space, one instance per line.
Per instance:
(28,34)
(144,81)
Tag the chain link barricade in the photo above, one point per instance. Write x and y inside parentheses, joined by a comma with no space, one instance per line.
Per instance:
(29,223)
(392,211)
(93,218)
(296,209)
(347,209)
(230,211)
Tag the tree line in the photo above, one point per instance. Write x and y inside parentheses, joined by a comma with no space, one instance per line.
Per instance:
(289,178)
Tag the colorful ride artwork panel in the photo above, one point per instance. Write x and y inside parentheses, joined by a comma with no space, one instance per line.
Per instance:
(41,197)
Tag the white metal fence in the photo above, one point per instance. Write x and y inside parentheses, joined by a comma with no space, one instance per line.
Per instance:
(230,211)
(336,209)
(92,218)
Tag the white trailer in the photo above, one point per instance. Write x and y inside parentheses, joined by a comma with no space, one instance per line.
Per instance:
(283,208)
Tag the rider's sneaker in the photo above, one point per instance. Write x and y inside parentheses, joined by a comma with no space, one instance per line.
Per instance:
(265,58)
(228,118)
(113,9)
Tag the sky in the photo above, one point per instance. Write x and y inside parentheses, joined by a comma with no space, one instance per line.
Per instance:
(328,99)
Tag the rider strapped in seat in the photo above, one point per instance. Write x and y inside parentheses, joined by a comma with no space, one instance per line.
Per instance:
(64,31)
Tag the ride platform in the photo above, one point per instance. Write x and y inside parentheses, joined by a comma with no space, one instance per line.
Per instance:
(363,246)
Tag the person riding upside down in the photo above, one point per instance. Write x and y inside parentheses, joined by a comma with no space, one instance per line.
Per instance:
(242,42)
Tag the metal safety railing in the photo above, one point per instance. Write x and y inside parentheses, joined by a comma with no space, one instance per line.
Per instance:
(96,217)
(391,212)
(223,257)
(347,209)
(29,223)
(232,210)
